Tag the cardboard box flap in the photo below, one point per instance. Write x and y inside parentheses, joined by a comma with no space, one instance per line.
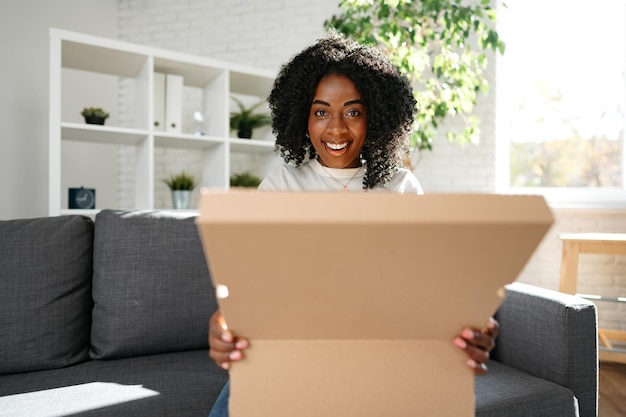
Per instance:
(365,265)
(251,207)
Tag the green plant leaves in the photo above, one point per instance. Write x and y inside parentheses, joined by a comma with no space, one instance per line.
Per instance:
(94,112)
(182,181)
(244,179)
(246,118)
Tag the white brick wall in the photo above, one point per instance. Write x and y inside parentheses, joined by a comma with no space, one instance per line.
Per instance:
(267,33)
(263,33)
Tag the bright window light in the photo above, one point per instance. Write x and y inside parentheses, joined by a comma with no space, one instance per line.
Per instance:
(560,100)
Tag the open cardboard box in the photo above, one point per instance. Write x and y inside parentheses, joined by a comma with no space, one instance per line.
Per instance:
(351,301)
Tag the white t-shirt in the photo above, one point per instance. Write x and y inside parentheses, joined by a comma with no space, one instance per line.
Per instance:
(312,176)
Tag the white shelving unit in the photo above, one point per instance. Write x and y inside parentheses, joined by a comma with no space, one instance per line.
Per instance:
(75,53)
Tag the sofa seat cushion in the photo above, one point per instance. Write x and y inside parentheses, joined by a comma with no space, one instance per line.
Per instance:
(152,290)
(172,384)
(505,391)
(45,292)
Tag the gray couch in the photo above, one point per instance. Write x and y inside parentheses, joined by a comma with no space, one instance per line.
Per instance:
(109,318)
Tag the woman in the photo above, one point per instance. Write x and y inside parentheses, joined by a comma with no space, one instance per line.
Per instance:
(342,115)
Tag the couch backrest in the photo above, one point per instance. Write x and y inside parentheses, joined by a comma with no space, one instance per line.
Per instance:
(45,292)
(152,290)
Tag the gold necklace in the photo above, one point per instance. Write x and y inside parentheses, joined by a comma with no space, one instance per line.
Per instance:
(344,186)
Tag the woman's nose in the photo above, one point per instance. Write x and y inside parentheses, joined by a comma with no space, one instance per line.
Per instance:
(337,123)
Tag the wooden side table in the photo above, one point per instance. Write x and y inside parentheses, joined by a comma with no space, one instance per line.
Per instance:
(598,243)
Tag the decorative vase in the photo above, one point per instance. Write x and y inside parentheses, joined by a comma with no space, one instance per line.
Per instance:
(180,199)
(94,120)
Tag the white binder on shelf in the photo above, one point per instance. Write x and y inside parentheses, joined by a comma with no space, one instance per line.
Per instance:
(173,103)
(159,101)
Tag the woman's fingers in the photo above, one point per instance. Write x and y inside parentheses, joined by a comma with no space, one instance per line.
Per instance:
(492,328)
(225,347)
(478,344)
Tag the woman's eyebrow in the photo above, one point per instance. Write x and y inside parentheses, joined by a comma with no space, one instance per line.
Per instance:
(323,103)
(351,102)
(347,103)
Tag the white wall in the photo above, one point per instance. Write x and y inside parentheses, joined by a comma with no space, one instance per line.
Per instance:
(263,33)
(24,94)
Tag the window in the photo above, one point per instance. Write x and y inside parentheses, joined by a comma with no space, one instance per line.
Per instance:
(560,95)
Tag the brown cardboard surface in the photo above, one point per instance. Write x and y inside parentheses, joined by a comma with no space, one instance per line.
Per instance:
(351,378)
(351,300)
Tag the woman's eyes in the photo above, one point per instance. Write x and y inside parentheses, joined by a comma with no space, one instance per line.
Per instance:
(349,113)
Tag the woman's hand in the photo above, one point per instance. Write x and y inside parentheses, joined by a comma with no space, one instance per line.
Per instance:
(225,347)
(477,344)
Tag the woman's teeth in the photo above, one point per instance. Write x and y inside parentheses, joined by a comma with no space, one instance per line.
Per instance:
(336,146)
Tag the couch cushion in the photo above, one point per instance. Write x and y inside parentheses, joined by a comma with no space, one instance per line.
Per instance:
(181,384)
(152,290)
(505,391)
(45,292)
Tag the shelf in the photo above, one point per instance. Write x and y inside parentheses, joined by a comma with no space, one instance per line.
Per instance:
(186,141)
(102,134)
(602,298)
(620,350)
(127,78)
(92,213)
(251,145)
(194,74)
(254,85)
(79,212)
(101,59)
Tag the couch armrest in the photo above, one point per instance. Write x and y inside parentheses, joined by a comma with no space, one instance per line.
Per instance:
(552,336)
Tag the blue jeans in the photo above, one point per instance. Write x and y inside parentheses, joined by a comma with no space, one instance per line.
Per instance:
(220,408)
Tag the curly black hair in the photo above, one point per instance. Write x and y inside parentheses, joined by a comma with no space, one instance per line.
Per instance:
(387,95)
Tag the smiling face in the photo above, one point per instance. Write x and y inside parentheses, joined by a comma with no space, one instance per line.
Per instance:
(337,122)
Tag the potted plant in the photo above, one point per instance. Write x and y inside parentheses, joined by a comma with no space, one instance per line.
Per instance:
(181,186)
(246,120)
(244,179)
(94,115)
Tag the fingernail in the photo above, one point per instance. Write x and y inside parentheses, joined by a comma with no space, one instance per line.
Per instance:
(241,344)
(492,323)
(467,333)
(460,343)
(226,337)
(235,355)
(472,363)
(225,365)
